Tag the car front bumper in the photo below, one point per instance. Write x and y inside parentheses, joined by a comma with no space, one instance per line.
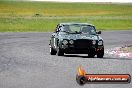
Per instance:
(71,49)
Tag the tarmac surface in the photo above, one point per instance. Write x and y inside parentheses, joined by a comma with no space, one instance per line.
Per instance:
(25,62)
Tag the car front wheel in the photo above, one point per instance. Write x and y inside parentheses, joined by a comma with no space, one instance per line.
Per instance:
(60,52)
(52,51)
(100,54)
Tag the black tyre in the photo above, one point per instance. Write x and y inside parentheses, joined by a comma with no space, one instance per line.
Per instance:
(52,51)
(100,54)
(81,80)
(60,52)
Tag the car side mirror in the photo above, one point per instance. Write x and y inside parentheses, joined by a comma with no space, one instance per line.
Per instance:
(99,32)
(56,31)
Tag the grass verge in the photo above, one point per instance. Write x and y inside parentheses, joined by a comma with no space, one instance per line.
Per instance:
(44,16)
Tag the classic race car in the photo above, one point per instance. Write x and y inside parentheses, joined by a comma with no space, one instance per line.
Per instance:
(76,38)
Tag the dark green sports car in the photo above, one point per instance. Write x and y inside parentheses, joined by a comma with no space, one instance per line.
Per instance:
(76,38)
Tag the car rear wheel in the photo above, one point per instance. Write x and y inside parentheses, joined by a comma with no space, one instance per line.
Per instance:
(52,51)
(60,52)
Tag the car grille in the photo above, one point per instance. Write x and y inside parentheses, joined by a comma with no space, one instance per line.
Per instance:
(83,43)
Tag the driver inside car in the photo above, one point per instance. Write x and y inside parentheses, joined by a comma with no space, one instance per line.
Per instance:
(85,30)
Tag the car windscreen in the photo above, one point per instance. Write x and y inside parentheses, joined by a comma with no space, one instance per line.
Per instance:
(77,28)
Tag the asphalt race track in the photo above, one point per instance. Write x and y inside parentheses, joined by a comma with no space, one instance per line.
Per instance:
(25,62)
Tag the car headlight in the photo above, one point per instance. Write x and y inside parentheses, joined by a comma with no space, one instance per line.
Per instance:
(100,43)
(93,42)
(71,42)
(65,42)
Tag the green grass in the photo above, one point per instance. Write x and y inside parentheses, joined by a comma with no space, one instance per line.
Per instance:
(44,16)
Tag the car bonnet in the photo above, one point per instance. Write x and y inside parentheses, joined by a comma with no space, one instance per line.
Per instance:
(80,36)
